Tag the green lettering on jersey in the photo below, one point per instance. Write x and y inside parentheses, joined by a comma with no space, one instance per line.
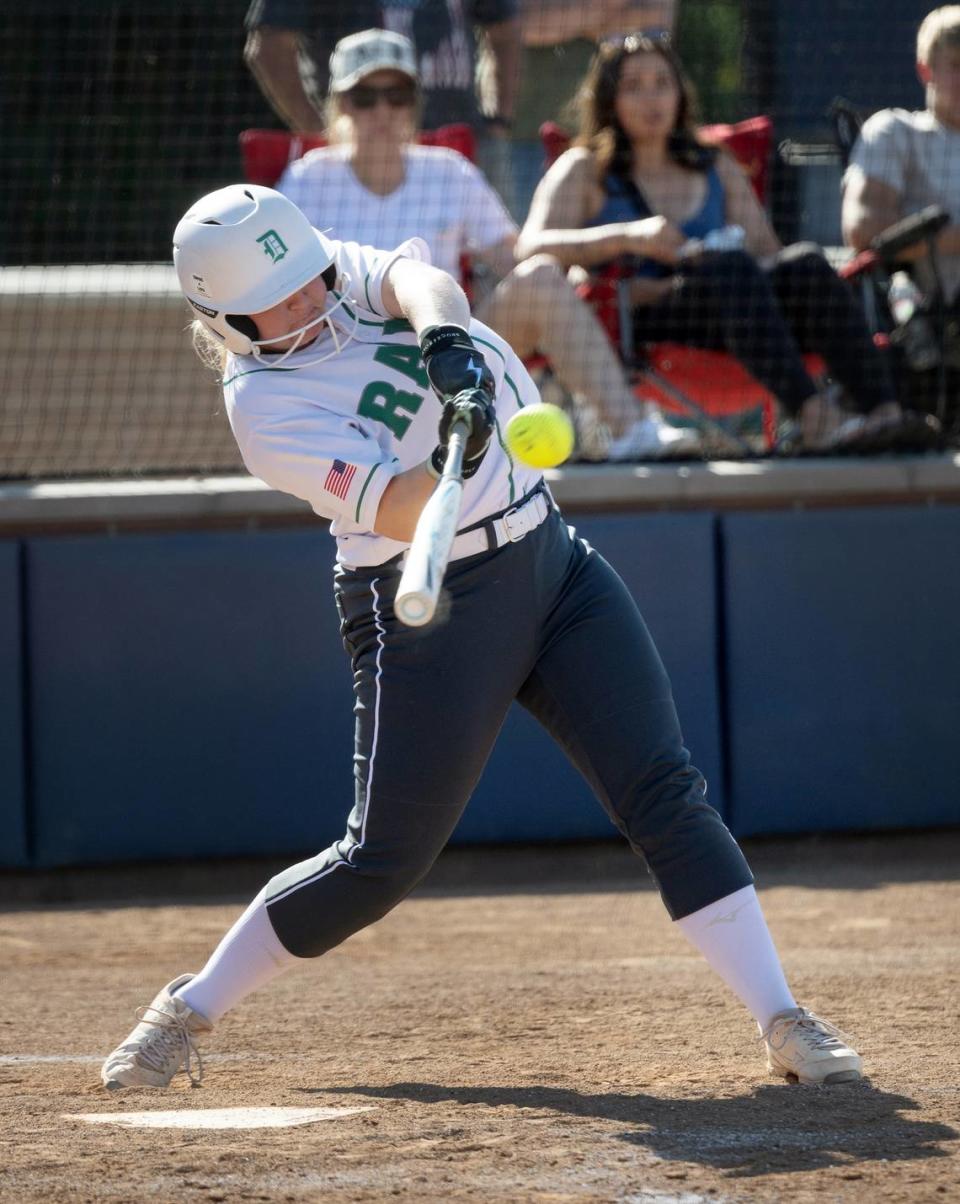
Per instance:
(383,403)
(396,326)
(404,359)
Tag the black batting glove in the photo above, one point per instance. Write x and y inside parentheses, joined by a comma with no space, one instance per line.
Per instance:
(473,406)
(454,364)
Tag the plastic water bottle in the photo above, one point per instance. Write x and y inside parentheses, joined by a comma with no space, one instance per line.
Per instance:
(914,333)
(725,238)
(903,297)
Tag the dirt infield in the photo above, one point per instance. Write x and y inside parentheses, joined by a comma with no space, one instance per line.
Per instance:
(550,1038)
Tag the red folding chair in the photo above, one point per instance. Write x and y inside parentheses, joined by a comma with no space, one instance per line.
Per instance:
(266,153)
(705,385)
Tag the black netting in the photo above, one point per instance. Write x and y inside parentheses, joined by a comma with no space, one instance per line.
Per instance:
(116,115)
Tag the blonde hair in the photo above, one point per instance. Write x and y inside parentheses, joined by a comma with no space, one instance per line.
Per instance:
(339,125)
(939,29)
(211,351)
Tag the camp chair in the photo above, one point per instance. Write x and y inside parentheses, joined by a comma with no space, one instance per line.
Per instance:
(707,386)
(871,269)
(266,153)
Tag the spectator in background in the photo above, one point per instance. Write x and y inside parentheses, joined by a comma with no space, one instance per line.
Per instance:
(639,184)
(289,44)
(904,161)
(375,186)
(560,39)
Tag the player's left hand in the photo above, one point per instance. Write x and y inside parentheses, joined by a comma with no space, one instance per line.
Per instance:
(474,407)
(454,364)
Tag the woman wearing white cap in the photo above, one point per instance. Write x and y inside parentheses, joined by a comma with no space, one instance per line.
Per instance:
(375,185)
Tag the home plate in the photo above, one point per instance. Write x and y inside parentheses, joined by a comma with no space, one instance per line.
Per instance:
(218,1118)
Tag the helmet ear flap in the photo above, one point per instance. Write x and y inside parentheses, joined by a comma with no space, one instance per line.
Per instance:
(240,333)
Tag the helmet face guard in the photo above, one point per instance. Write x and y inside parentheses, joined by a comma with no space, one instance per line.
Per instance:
(243,249)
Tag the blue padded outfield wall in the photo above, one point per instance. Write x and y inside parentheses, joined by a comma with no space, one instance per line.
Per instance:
(185,695)
(192,697)
(188,696)
(843,668)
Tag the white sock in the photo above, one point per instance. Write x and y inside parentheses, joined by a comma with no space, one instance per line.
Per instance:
(732,935)
(248,957)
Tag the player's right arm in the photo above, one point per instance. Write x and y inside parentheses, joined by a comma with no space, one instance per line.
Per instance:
(402,501)
(329,462)
(290,451)
(436,307)
(424,295)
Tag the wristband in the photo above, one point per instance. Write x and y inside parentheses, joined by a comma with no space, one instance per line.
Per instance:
(438,458)
(439,338)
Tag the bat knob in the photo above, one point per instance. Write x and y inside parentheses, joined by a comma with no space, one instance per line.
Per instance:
(413,610)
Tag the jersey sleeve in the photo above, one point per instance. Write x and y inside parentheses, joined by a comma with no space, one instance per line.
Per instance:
(882,151)
(317,455)
(362,270)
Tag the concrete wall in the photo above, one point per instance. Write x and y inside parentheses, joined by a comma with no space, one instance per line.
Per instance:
(100,377)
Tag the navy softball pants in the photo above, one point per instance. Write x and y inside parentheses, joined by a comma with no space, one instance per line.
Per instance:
(545,621)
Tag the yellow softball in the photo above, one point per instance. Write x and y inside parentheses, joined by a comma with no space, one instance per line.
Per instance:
(540,435)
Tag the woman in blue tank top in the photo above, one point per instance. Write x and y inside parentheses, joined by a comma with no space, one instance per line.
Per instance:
(641,191)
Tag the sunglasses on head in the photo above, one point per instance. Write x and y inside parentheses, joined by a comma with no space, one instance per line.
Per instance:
(632,42)
(397,96)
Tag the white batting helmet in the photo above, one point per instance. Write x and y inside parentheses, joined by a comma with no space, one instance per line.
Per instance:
(241,250)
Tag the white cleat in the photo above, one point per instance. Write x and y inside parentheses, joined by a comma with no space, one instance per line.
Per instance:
(161,1043)
(803,1047)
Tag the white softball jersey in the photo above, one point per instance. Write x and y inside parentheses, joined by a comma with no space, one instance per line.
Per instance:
(335,433)
(443,199)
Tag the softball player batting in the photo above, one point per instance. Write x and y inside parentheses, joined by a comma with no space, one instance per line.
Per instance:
(334,358)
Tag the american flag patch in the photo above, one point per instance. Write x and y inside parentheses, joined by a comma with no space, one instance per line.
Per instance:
(339,478)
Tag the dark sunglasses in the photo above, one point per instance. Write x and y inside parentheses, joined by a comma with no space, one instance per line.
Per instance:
(397,96)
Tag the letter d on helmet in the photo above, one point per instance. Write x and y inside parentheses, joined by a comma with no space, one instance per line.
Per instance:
(241,250)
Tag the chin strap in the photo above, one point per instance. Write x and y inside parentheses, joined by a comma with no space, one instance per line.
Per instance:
(324,319)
